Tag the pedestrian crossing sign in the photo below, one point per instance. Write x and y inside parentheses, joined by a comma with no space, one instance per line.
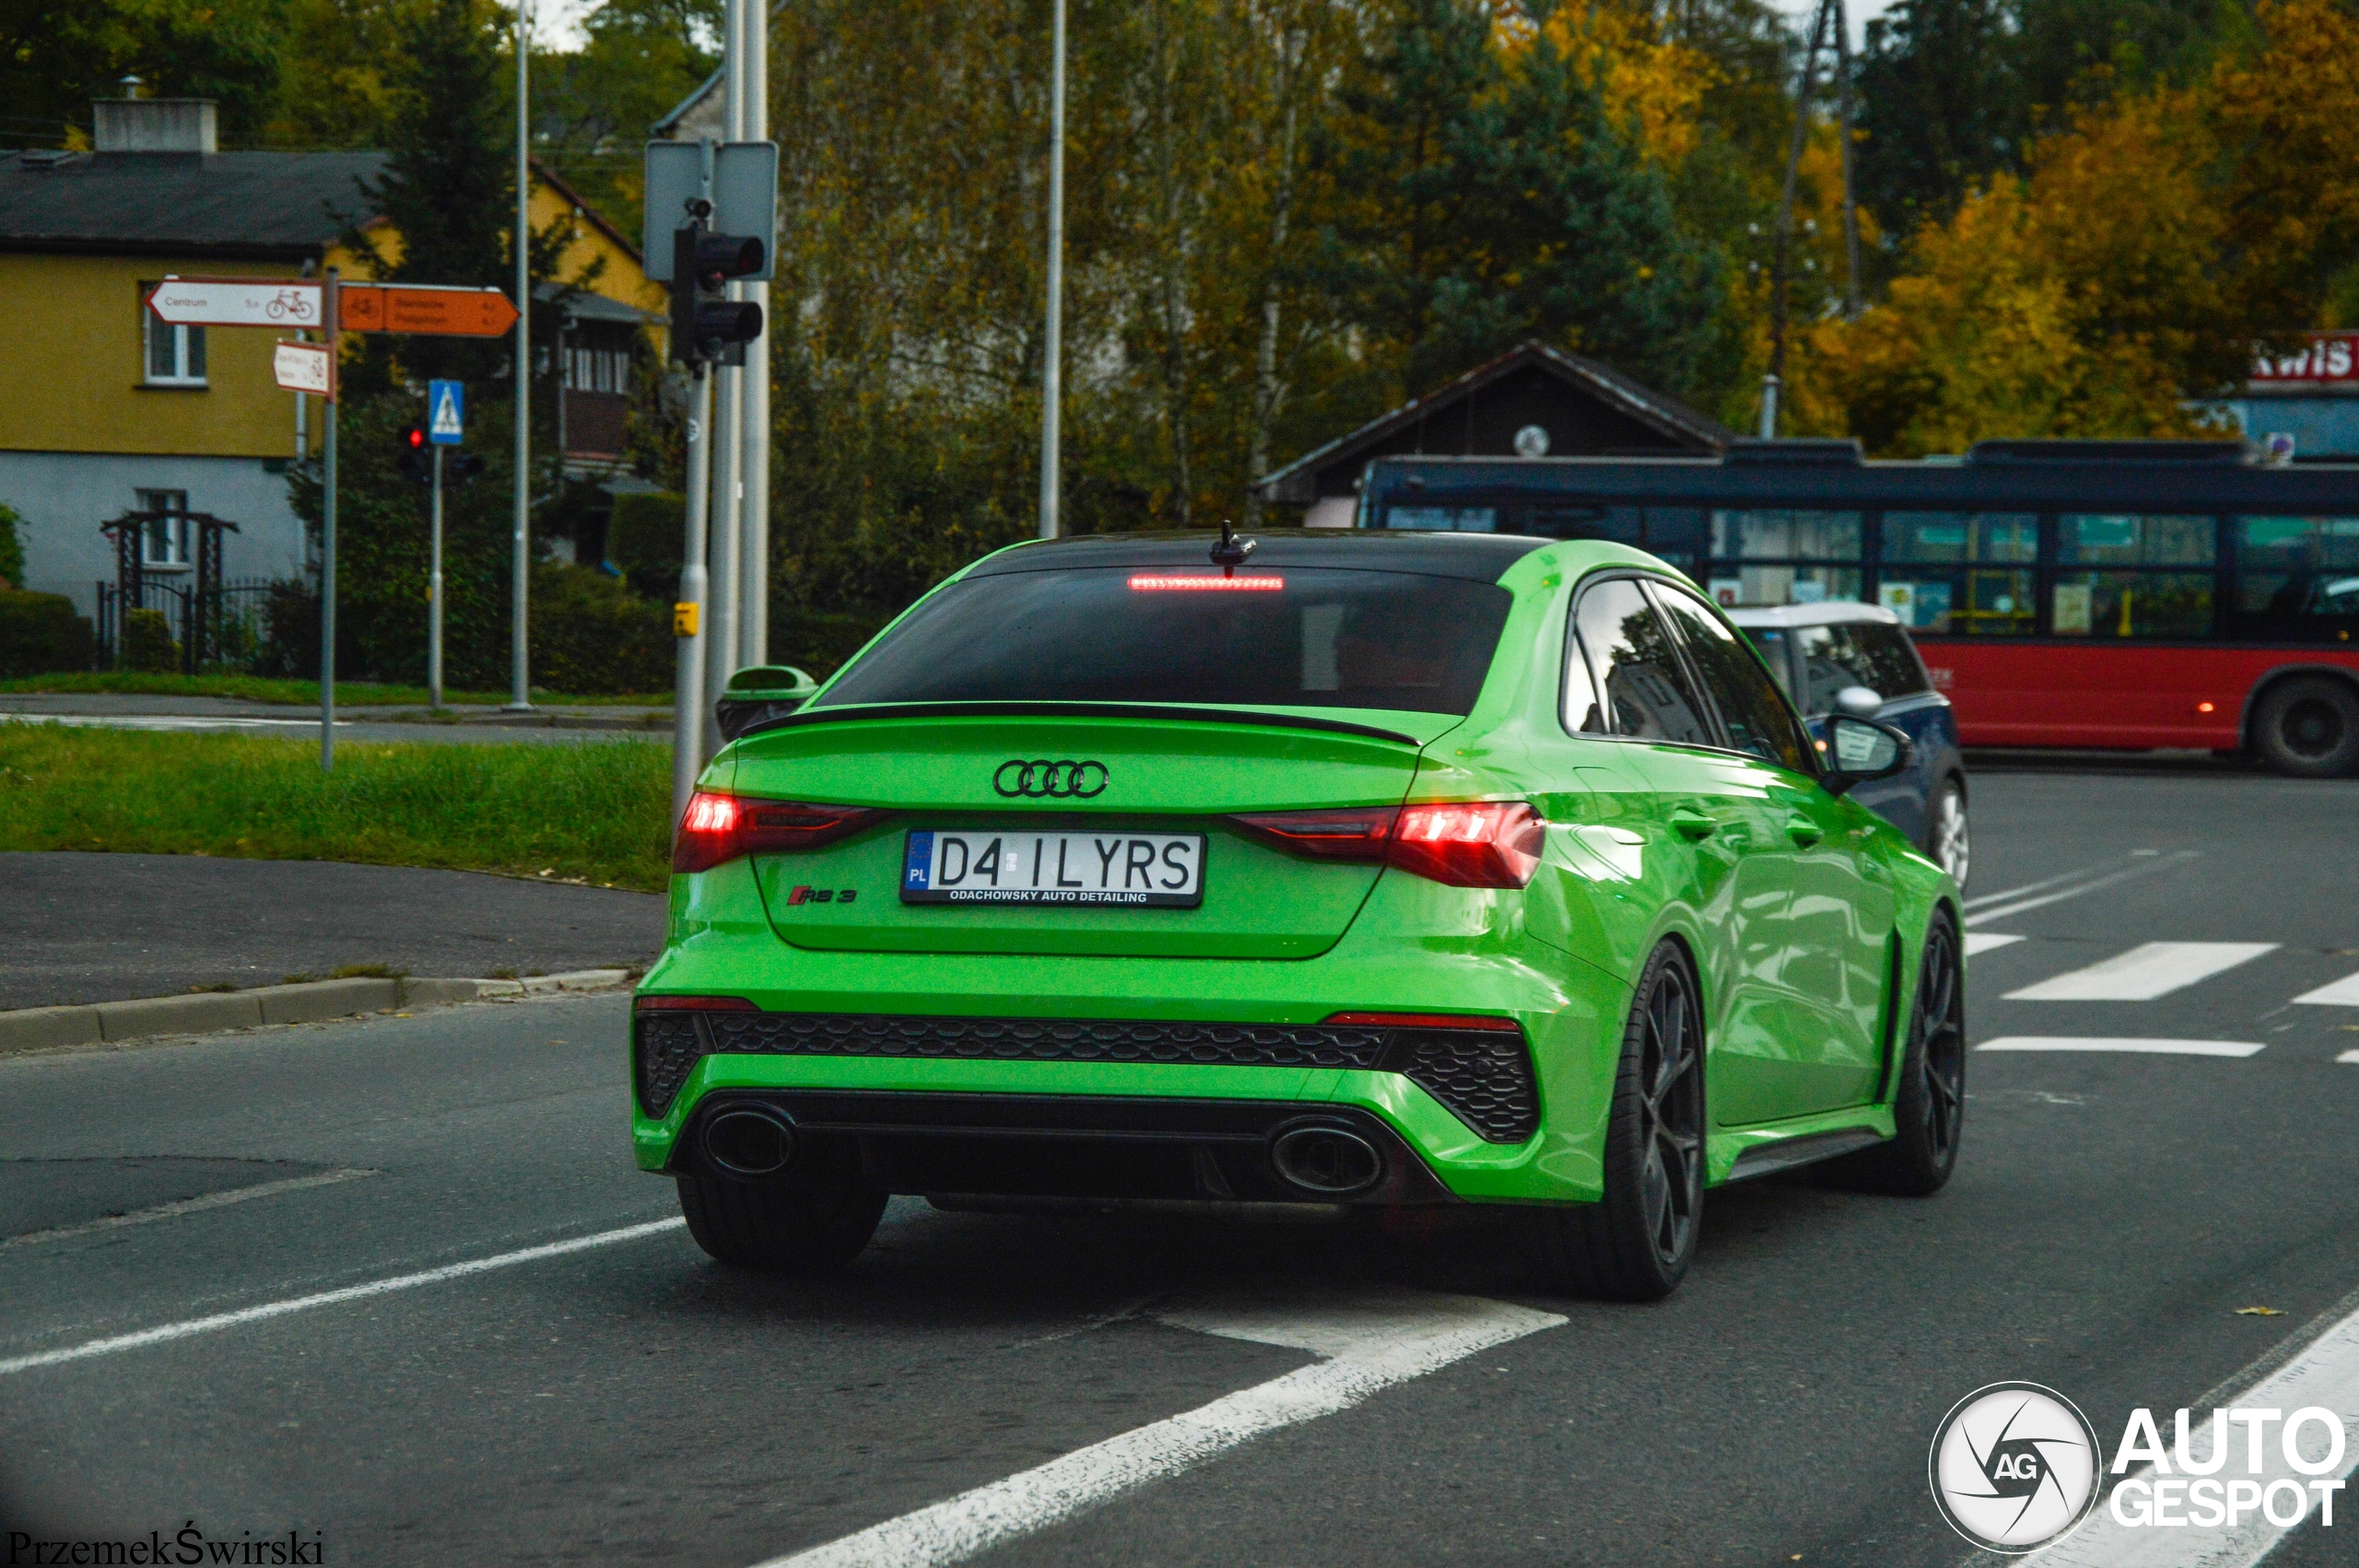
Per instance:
(446,423)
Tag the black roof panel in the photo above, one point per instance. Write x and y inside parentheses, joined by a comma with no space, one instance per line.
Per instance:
(1476,557)
(232,203)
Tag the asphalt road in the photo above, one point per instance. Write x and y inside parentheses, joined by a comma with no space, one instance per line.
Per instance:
(85,928)
(628,1401)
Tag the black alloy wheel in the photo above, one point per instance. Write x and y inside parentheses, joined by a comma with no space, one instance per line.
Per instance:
(2309,726)
(1637,1244)
(1929,1102)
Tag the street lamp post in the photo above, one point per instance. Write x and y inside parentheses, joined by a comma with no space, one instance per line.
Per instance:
(1052,373)
(520,691)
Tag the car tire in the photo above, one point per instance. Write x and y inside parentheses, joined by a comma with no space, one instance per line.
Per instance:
(1928,1105)
(2309,728)
(1947,843)
(1636,1244)
(781,1227)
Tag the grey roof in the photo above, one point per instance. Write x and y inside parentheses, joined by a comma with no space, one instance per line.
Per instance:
(707,97)
(1671,420)
(242,203)
(587,307)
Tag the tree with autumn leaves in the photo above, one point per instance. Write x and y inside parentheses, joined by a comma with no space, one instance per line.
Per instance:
(2128,271)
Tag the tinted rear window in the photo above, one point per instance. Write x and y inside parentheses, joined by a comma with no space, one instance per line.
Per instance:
(1310,639)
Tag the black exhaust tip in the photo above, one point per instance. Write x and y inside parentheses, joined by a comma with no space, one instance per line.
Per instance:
(747,1141)
(1331,1160)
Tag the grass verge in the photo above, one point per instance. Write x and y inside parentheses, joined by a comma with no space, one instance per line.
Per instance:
(256,688)
(599,814)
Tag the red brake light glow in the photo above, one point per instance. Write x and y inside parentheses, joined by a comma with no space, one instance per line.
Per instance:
(719,828)
(1468,844)
(693,1004)
(1203,582)
(1425,1021)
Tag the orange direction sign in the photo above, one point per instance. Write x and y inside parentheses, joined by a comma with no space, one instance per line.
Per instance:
(430,309)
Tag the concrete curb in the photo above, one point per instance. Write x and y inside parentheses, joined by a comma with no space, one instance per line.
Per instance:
(316,1002)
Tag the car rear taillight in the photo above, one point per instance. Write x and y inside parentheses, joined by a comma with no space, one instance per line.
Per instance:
(1464,844)
(717,828)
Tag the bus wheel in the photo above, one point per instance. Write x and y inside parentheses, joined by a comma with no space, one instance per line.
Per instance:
(2309,728)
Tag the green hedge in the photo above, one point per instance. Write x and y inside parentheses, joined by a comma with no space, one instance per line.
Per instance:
(643,540)
(595,636)
(41,633)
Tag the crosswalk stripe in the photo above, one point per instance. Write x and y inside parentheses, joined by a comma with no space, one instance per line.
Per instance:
(2142,1048)
(2153,969)
(2344,992)
(1983,941)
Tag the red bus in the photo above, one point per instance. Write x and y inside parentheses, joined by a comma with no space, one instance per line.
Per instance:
(2117,594)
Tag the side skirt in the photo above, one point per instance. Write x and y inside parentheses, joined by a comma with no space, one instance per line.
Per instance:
(1745,1153)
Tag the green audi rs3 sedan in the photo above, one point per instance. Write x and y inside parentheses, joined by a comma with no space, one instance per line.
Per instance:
(1341,870)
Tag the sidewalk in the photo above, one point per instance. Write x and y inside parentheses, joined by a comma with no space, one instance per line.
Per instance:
(96,928)
(120,711)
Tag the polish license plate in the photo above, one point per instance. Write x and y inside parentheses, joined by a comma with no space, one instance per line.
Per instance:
(1103,870)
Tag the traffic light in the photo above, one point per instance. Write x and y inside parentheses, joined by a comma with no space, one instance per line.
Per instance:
(417,457)
(707,328)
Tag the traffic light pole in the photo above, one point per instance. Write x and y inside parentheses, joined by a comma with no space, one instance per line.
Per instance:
(327,537)
(434,592)
(688,613)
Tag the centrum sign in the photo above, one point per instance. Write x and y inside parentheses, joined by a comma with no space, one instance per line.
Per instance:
(239,302)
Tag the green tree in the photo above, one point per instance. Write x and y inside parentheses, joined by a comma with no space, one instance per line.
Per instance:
(594,107)
(57,55)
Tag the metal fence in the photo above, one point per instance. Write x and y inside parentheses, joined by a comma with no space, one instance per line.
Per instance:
(222,627)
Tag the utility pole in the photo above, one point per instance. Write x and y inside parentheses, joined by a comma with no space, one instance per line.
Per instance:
(520,690)
(1053,372)
(434,592)
(688,612)
(1851,185)
(327,531)
(753,437)
(1773,382)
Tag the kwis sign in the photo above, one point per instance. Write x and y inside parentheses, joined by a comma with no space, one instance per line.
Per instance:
(2326,357)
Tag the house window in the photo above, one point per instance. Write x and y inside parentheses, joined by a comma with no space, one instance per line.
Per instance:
(598,371)
(165,540)
(175,354)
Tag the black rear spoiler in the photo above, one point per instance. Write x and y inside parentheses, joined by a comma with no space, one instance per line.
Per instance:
(1074,710)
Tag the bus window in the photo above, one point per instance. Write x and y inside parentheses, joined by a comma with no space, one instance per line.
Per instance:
(2297,578)
(2136,541)
(1774,557)
(2175,605)
(1970,600)
(1444,520)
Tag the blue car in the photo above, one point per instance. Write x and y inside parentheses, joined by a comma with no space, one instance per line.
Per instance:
(1857,659)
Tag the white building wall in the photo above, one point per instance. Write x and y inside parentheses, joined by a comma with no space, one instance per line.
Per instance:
(63,496)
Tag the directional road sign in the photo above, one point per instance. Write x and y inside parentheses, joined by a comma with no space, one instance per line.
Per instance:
(446,413)
(427,310)
(305,367)
(237,302)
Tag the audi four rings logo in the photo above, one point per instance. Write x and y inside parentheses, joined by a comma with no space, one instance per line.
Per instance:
(1043,780)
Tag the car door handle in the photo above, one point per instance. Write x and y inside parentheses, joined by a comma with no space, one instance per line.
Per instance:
(1693,825)
(1803,831)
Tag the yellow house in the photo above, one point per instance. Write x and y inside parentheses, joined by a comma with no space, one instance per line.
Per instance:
(111,411)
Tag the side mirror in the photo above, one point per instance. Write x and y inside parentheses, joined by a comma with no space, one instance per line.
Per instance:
(1861,702)
(1859,750)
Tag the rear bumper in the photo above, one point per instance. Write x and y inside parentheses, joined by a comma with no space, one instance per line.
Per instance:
(1124,1150)
(1570,1015)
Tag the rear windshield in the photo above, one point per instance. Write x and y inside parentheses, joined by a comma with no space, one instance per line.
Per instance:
(1274,637)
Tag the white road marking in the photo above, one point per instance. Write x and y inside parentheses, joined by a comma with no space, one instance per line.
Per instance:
(2325,1373)
(163,721)
(1983,941)
(2351,1057)
(170,1331)
(1999,905)
(1371,1344)
(2153,970)
(2344,992)
(2146,1047)
(187,1206)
